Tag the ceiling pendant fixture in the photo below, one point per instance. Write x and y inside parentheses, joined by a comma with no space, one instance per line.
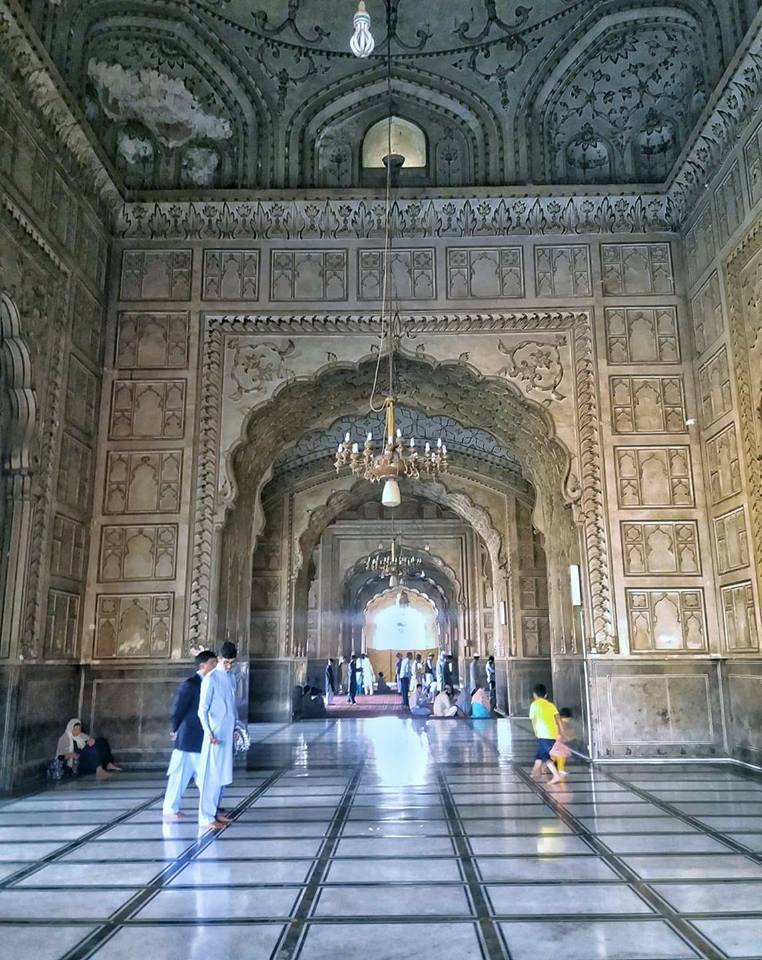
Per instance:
(361,43)
(396,563)
(396,456)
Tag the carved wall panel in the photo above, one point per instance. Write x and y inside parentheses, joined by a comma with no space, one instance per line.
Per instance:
(668,547)
(485,272)
(666,620)
(308,274)
(728,199)
(724,465)
(647,404)
(146,552)
(147,340)
(87,324)
(230,275)
(68,548)
(739,614)
(265,593)
(156,275)
(642,335)
(62,626)
(654,476)
(133,625)
(147,409)
(700,244)
(412,273)
(533,592)
(731,539)
(636,269)
(81,396)
(562,271)
(62,215)
(143,482)
(74,473)
(714,384)
(536,635)
(706,308)
(752,153)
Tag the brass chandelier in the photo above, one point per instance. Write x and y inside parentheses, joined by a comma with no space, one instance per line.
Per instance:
(396,456)
(395,563)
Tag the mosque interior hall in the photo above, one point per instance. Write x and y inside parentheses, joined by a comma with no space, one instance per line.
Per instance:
(381,479)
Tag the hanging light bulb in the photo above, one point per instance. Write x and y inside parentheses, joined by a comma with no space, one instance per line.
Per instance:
(362,43)
(391,493)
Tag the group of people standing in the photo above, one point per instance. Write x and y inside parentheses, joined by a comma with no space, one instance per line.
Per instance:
(360,678)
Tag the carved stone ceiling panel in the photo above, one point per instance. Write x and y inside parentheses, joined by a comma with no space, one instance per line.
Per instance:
(206,94)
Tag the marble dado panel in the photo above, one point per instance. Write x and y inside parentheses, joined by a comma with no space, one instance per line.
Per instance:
(562,271)
(666,620)
(62,625)
(732,541)
(319,275)
(146,341)
(740,618)
(666,547)
(147,410)
(87,324)
(81,396)
(535,635)
(143,481)
(74,473)
(647,404)
(133,625)
(156,275)
(654,477)
(700,247)
(484,272)
(412,273)
(724,465)
(636,269)
(145,552)
(642,335)
(728,201)
(706,309)
(714,386)
(67,556)
(230,275)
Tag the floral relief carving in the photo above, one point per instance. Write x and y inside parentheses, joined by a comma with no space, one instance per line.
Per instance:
(536,365)
(255,366)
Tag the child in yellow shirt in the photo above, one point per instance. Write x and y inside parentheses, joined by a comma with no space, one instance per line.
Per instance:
(544,718)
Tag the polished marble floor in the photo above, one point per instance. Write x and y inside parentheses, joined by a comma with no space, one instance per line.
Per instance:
(387,838)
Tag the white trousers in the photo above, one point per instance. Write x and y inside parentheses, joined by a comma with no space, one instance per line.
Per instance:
(183,767)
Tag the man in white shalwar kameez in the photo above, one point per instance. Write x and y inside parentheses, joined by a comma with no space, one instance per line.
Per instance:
(217,713)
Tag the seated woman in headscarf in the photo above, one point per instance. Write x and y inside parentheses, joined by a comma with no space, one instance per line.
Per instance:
(85,754)
(480,705)
(382,686)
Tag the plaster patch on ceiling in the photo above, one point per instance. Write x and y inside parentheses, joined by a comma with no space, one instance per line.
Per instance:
(162,104)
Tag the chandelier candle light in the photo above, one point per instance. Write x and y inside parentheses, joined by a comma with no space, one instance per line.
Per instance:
(395,564)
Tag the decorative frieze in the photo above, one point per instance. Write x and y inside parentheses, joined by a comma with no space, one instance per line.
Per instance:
(143,482)
(146,552)
(133,625)
(666,621)
(724,465)
(308,275)
(156,275)
(731,540)
(147,409)
(562,271)
(647,404)
(230,275)
(654,477)
(642,335)
(740,618)
(411,271)
(152,340)
(636,269)
(484,272)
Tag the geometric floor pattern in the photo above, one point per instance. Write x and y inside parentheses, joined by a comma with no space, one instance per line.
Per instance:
(384,839)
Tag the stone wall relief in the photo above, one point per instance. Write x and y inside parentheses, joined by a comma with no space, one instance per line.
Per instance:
(706,309)
(724,465)
(731,540)
(740,618)
(133,625)
(667,547)
(647,404)
(642,335)
(666,621)
(146,552)
(152,340)
(654,477)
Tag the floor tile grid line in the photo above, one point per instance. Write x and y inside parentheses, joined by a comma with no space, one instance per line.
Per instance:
(87,947)
(73,845)
(682,927)
(692,821)
(293,936)
(492,942)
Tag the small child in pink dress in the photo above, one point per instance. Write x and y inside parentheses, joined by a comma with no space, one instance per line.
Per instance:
(560,752)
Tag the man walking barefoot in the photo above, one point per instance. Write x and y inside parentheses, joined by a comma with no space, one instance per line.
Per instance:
(217,713)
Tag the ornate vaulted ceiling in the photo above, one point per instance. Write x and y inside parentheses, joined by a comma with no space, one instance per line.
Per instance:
(190,94)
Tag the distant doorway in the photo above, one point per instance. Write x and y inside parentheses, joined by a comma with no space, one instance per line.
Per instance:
(399,620)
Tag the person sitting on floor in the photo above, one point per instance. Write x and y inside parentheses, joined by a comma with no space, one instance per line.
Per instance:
(313,705)
(443,707)
(420,705)
(85,754)
(381,685)
(463,703)
(480,704)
